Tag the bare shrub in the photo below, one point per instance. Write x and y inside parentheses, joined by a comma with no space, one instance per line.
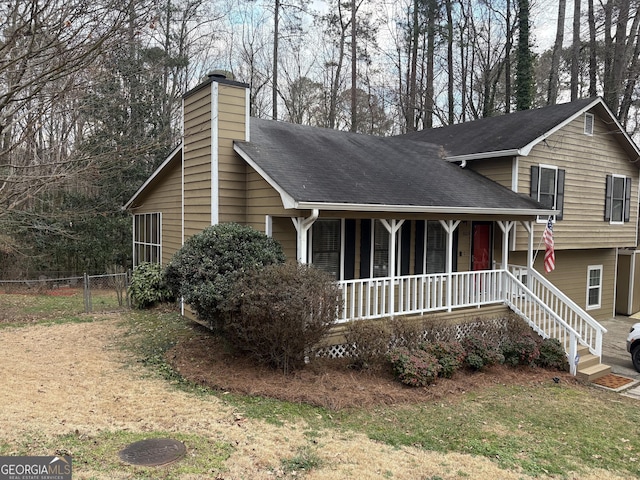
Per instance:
(368,342)
(408,332)
(278,313)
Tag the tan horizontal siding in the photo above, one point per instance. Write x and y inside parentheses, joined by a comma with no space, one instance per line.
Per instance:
(197,159)
(164,196)
(231,168)
(497,169)
(586,160)
(570,275)
(285,233)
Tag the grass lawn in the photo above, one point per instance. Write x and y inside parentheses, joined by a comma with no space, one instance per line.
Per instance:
(540,431)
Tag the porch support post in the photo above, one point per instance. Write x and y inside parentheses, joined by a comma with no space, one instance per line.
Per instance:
(506,227)
(449,227)
(303,225)
(528,226)
(392,227)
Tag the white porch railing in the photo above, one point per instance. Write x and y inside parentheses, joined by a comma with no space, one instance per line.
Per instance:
(417,294)
(547,309)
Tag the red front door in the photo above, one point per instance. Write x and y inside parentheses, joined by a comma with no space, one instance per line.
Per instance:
(481,246)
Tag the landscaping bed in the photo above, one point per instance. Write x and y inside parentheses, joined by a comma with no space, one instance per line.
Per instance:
(332,383)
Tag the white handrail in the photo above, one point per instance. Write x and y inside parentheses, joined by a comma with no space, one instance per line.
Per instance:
(587,327)
(547,309)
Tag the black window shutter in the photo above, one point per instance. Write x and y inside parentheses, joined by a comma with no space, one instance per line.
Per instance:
(419,258)
(365,248)
(349,249)
(627,199)
(607,199)
(535,173)
(405,248)
(560,194)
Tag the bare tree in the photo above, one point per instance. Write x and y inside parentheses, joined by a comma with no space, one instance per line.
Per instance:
(46,50)
(552,91)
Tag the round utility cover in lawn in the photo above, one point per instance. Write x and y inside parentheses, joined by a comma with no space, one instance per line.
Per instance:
(153,452)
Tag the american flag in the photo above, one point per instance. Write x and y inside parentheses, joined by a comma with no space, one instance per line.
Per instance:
(549,254)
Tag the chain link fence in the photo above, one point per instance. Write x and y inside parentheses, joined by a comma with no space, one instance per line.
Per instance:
(99,293)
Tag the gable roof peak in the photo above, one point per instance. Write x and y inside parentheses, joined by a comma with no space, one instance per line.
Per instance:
(515,134)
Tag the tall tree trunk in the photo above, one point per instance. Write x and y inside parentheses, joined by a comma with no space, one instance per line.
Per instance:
(575,50)
(274,83)
(431,40)
(552,91)
(450,81)
(593,46)
(507,61)
(410,114)
(633,71)
(524,78)
(354,63)
(619,57)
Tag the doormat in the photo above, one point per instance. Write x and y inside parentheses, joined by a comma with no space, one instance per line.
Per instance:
(613,381)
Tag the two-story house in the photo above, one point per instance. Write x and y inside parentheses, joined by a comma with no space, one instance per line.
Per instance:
(439,221)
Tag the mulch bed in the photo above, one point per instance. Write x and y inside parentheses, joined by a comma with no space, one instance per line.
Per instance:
(331,383)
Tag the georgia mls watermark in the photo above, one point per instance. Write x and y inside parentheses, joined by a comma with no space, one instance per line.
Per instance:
(35,468)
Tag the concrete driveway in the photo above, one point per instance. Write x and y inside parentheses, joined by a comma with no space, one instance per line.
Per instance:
(614,346)
(614,352)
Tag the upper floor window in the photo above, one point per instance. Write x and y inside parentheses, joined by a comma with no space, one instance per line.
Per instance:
(547,187)
(617,204)
(326,245)
(588,123)
(147,238)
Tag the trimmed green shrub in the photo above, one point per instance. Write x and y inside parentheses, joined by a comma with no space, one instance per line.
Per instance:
(204,270)
(415,368)
(277,314)
(522,350)
(450,356)
(552,355)
(481,352)
(148,286)
(368,342)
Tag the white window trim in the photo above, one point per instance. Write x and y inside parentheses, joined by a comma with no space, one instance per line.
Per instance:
(137,242)
(589,121)
(624,197)
(591,268)
(545,219)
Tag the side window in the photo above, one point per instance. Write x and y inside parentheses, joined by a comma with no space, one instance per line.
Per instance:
(147,236)
(617,203)
(380,250)
(436,247)
(588,123)
(594,286)
(547,187)
(326,246)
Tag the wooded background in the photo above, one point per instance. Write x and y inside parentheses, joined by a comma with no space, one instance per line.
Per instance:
(90,90)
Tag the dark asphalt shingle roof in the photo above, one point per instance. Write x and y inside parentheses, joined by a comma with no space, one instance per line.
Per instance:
(328,166)
(499,133)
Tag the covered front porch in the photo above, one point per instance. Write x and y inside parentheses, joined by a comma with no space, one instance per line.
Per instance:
(395,276)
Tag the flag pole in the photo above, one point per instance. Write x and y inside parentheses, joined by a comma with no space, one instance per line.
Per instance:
(535,255)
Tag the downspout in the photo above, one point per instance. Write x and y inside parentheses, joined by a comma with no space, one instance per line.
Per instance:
(302,228)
